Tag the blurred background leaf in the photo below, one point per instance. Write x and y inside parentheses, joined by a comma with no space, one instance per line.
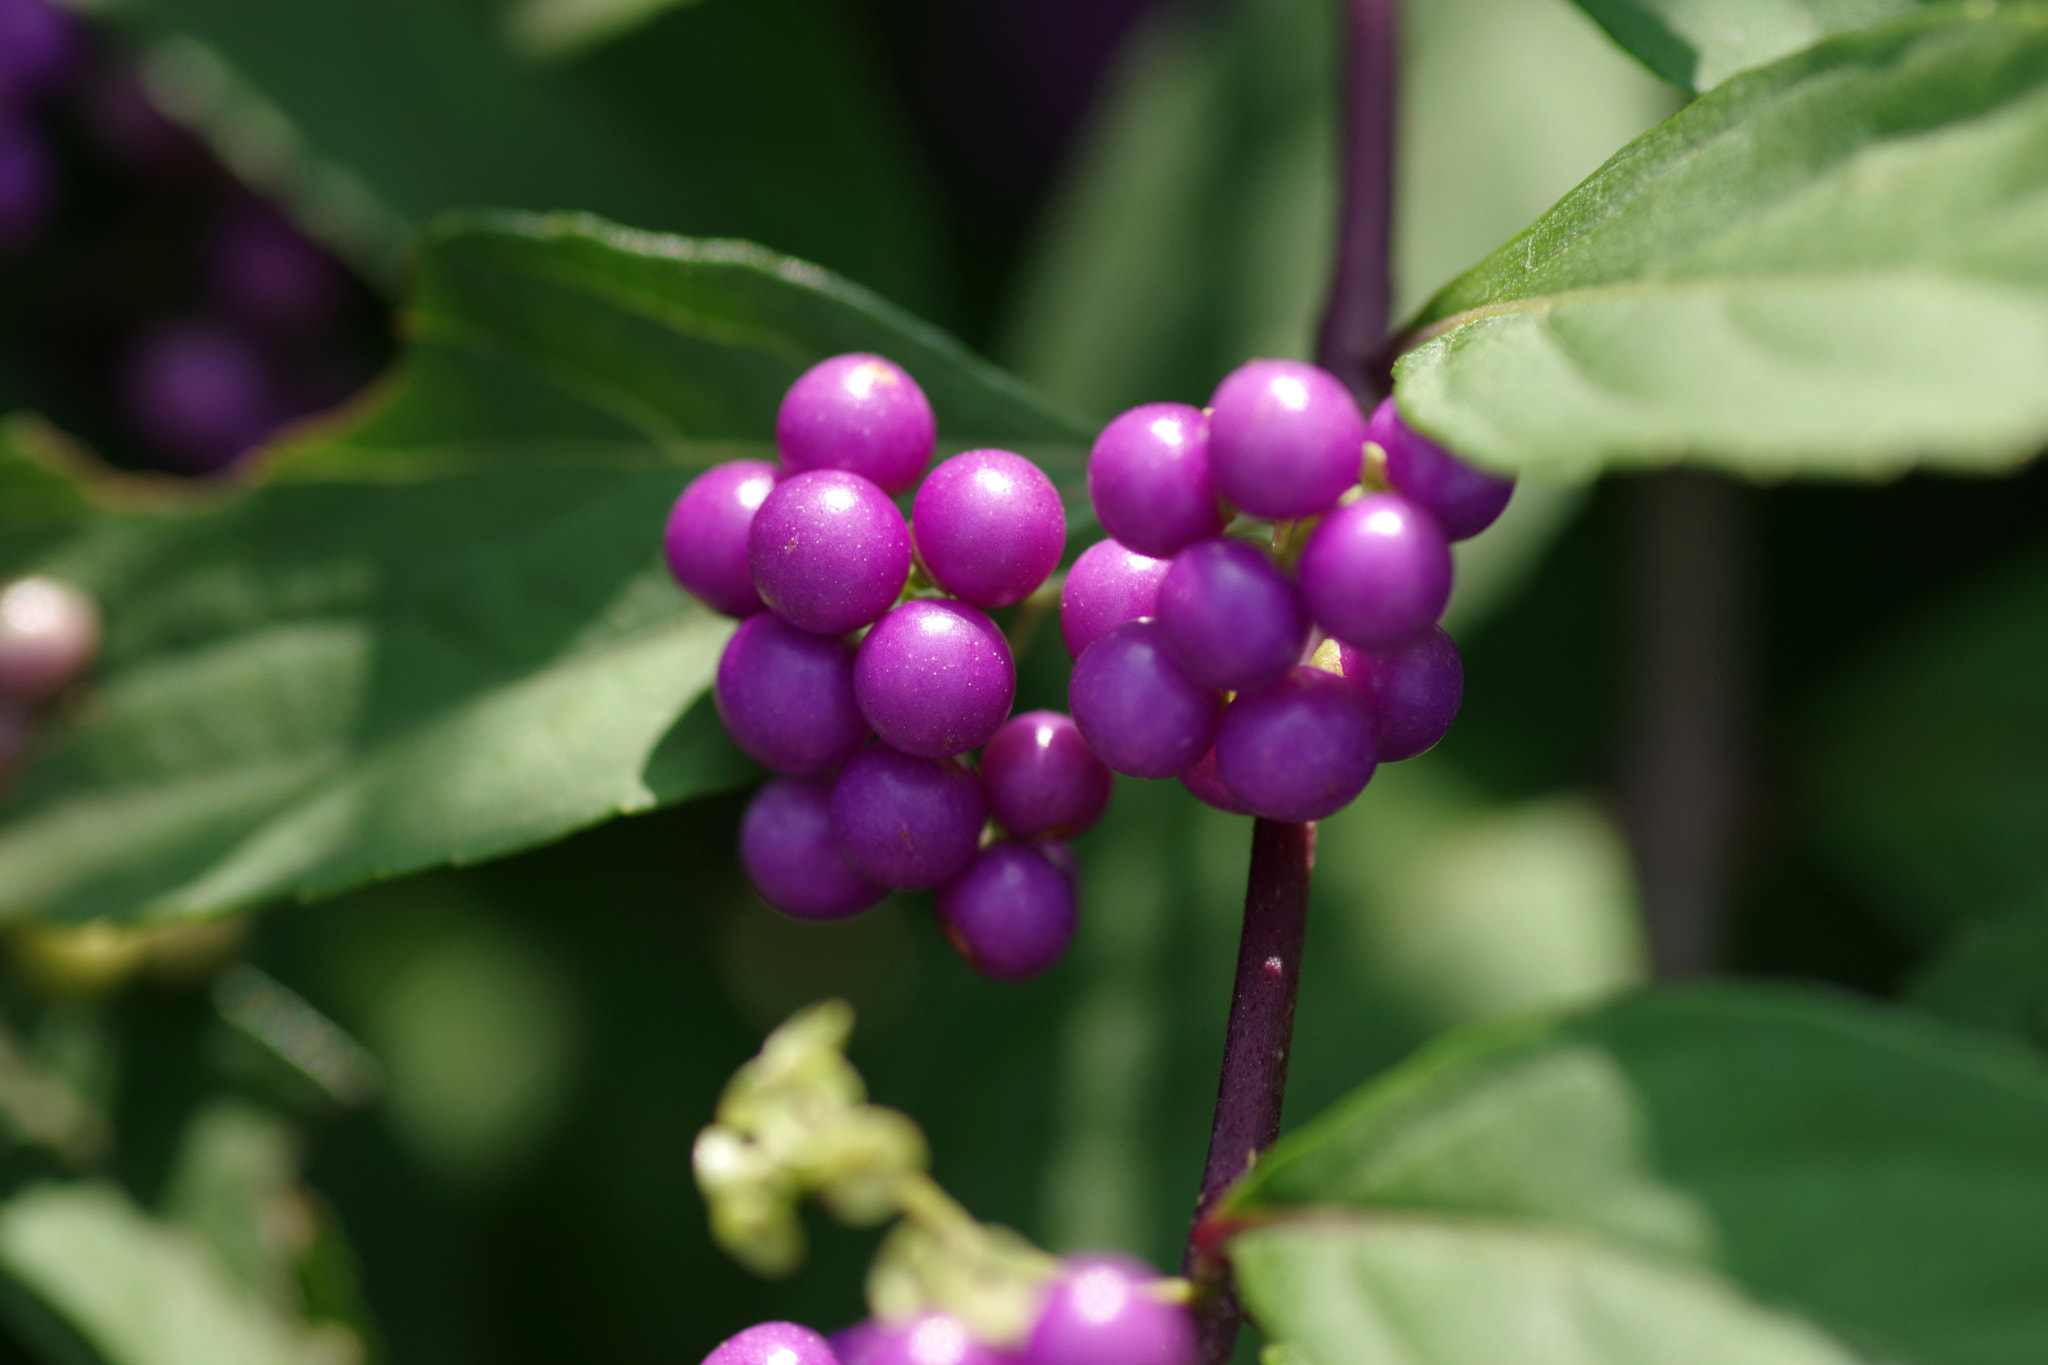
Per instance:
(1700,43)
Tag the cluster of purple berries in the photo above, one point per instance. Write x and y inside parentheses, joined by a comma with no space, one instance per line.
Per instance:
(49,635)
(866,668)
(1099,1311)
(1270,675)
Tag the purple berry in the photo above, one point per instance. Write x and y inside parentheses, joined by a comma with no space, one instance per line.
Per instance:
(828,551)
(1300,750)
(706,538)
(774,1343)
(988,527)
(39,45)
(1413,692)
(936,1339)
(1464,500)
(1108,586)
(49,633)
(1285,438)
(198,393)
(935,678)
(127,124)
(1230,617)
(906,822)
(787,848)
(1042,780)
(1377,572)
(28,184)
(1205,783)
(1139,712)
(860,413)
(787,698)
(1011,913)
(1148,477)
(1103,1311)
(266,272)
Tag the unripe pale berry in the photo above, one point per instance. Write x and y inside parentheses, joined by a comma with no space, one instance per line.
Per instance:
(988,527)
(1042,780)
(706,538)
(1464,500)
(1413,691)
(1301,750)
(1377,572)
(787,848)
(828,551)
(1148,478)
(1109,585)
(1285,438)
(787,696)
(906,822)
(49,634)
(935,678)
(1230,617)
(1011,913)
(1102,1312)
(774,1343)
(860,413)
(1138,711)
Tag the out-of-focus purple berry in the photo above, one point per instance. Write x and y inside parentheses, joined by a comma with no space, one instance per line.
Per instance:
(1230,617)
(40,44)
(28,183)
(1413,691)
(935,678)
(787,848)
(1148,477)
(1042,780)
(774,1343)
(988,527)
(1377,572)
(1205,784)
(1138,711)
(906,822)
(1464,500)
(860,413)
(266,272)
(1103,1311)
(49,633)
(1301,750)
(828,551)
(1011,913)
(1109,585)
(127,124)
(935,1339)
(786,696)
(706,540)
(198,393)
(1285,438)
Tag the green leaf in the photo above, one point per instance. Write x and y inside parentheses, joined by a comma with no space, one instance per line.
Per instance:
(329,683)
(1833,266)
(1395,1291)
(1876,1171)
(1700,43)
(1994,975)
(131,1290)
(551,29)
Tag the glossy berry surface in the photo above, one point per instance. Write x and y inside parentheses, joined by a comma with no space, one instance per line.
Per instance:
(787,848)
(1100,1313)
(988,527)
(1148,478)
(1041,779)
(935,1339)
(1413,691)
(1108,586)
(49,633)
(828,551)
(1138,711)
(860,413)
(1377,572)
(706,538)
(199,393)
(935,678)
(1230,618)
(774,1343)
(1285,438)
(1464,500)
(1204,782)
(1011,913)
(906,822)
(1301,750)
(787,697)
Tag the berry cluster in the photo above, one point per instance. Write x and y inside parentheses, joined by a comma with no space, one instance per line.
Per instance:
(866,668)
(1271,675)
(49,633)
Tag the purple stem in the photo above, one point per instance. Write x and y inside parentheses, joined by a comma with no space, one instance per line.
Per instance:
(1350,345)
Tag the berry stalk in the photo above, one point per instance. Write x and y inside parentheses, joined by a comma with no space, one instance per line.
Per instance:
(1354,331)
